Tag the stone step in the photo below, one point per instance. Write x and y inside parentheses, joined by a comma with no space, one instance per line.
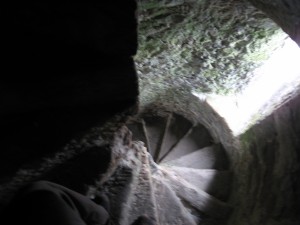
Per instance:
(212,157)
(214,182)
(155,129)
(118,189)
(129,187)
(177,128)
(197,138)
(198,199)
(169,207)
(138,131)
(142,201)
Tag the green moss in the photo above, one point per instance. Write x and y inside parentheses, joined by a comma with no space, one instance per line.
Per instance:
(211,74)
(149,5)
(211,50)
(247,138)
(258,56)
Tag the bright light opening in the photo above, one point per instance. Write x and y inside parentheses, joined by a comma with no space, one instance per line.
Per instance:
(273,83)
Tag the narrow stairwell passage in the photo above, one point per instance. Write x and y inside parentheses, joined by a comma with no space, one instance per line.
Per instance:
(175,174)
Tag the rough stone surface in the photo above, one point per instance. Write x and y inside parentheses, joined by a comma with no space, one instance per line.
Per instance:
(76,166)
(196,138)
(212,181)
(264,160)
(268,170)
(135,185)
(206,158)
(198,199)
(166,199)
(285,12)
(208,46)
(184,45)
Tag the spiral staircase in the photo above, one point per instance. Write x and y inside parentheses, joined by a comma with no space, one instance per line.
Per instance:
(169,170)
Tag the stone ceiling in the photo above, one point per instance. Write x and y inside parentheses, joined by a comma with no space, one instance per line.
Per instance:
(208,46)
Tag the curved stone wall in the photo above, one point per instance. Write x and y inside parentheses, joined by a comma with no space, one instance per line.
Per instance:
(285,12)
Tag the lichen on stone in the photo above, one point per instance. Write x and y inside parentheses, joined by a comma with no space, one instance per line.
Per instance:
(210,46)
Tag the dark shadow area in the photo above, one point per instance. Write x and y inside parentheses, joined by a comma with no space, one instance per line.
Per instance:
(30,136)
(67,67)
(82,170)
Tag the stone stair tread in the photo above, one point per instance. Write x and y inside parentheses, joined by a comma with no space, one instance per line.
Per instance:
(121,177)
(142,198)
(214,182)
(196,139)
(155,127)
(198,199)
(129,188)
(136,128)
(170,208)
(118,188)
(212,157)
(178,127)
